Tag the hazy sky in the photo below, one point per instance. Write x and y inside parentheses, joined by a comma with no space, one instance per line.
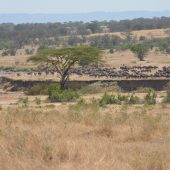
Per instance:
(77,6)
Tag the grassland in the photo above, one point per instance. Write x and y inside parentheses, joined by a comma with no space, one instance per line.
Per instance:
(36,134)
(84,136)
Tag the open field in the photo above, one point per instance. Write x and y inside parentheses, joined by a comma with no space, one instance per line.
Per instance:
(116,59)
(70,136)
(148,34)
(86,133)
(20,57)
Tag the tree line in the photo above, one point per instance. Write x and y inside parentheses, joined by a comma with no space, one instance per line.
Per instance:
(25,32)
(13,37)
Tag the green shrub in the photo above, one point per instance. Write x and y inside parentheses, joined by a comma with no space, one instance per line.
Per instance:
(150,98)
(144,89)
(123,98)
(24,101)
(37,101)
(133,99)
(167,97)
(111,51)
(58,95)
(118,99)
(109,99)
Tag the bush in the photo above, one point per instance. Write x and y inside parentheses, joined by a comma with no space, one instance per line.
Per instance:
(58,95)
(118,99)
(37,101)
(111,51)
(133,100)
(24,101)
(123,98)
(150,98)
(144,89)
(109,99)
(167,97)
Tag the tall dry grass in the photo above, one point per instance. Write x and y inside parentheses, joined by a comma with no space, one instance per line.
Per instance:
(85,136)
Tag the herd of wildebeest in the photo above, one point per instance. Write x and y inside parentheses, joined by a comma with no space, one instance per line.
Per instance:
(94,71)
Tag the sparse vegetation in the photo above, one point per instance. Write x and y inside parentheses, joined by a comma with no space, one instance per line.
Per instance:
(90,90)
(144,90)
(58,95)
(140,51)
(38,90)
(62,60)
(37,101)
(23,101)
(150,98)
(118,99)
(99,126)
(64,138)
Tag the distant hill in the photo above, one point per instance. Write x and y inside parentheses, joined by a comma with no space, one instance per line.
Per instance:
(86,17)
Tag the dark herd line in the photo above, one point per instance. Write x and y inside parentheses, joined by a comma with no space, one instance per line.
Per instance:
(135,72)
(124,72)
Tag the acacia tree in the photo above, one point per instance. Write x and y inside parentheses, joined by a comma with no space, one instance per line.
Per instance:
(139,50)
(62,60)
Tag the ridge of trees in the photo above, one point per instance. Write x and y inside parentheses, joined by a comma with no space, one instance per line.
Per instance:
(13,37)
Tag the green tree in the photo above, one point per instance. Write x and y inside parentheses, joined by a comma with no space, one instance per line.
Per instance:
(139,50)
(94,26)
(62,60)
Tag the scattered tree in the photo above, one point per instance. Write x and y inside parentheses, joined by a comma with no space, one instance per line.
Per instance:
(62,60)
(139,50)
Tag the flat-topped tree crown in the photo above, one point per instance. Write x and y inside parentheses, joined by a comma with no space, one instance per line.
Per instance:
(63,59)
(140,50)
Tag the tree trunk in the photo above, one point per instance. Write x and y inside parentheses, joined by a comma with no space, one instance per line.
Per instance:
(63,82)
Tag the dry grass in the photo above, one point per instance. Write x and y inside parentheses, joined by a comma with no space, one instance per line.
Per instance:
(128,58)
(115,60)
(148,34)
(85,136)
(20,59)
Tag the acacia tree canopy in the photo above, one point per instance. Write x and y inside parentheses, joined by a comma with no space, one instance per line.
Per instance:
(140,50)
(62,60)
